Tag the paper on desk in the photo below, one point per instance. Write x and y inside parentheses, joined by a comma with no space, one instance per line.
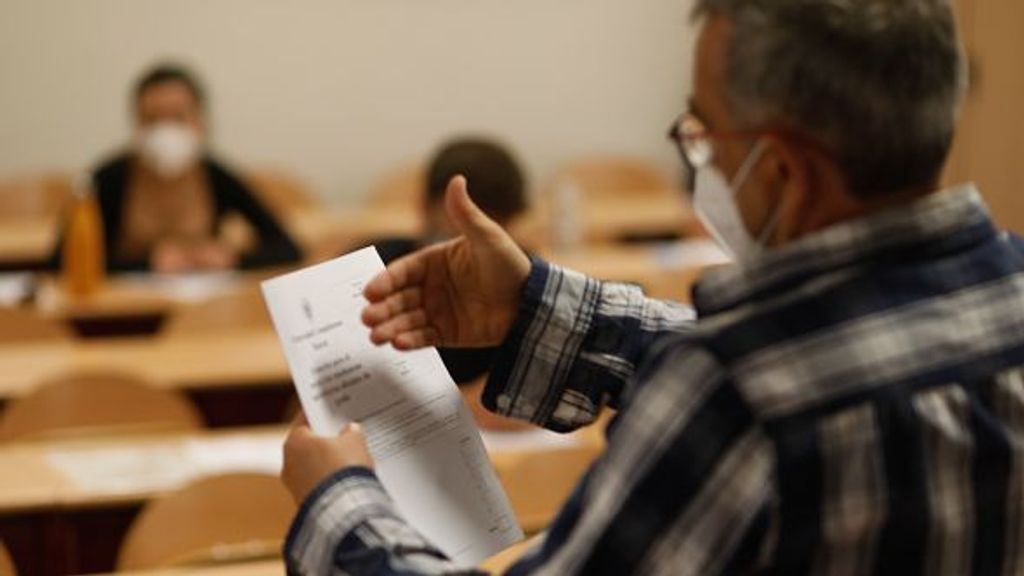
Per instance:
(121,470)
(188,287)
(166,465)
(210,456)
(427,450)
(16,288)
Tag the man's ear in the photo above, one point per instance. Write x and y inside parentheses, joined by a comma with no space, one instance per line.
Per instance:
(790,175)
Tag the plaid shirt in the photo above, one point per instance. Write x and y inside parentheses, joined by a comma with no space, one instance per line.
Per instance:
(852,403)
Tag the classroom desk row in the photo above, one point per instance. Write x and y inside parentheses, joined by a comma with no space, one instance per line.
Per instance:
(154,296)
(237,378)
(28,243)
(66,505)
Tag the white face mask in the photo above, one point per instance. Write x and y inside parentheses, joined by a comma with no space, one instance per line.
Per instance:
(714,202)
(168,148)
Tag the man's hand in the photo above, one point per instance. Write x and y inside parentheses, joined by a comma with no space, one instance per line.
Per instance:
(309,459)
(462,293)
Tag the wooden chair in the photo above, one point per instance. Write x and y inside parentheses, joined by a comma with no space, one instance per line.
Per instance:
(283,193)
(34,196)
(401,187)
(228,518)
(7,567)
(24,325)
(598,176)
(243,310)
(557,471)
(95,404)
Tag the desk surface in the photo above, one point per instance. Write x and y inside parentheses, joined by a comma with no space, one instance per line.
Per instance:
(27,241)
(253,357)
(142,294)
(221,360)
(322,232)
(261,568)
(495,565)
(91,473)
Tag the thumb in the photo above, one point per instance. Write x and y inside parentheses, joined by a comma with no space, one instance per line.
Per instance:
(467,217)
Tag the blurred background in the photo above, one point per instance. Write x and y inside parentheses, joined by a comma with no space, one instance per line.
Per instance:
(143,393)
(340,91)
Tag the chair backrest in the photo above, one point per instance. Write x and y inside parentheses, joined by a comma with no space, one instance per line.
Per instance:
(34,196)
(282,192)
(402,186)
(22,325)
(96,403)
(7,567)
(609,174)
(242,310)
(232,517)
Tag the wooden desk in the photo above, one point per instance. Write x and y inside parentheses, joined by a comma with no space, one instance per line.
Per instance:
(26,243)
(235,378)
(326,234)
(494,565)
(665,270)
(141,294)
(261,568)
(608,218)
(55,500)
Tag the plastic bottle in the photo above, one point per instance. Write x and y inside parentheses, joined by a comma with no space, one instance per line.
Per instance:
(568,227)
(83,265)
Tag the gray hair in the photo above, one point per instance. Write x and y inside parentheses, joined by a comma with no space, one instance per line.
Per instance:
(877,82)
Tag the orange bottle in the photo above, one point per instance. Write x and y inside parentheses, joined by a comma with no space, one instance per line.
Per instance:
(84,265)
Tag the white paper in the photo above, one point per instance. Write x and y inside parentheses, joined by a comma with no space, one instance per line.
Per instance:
(124,469)
(170,465)
(16,288)
(188,287)
(210,456)
(426,448)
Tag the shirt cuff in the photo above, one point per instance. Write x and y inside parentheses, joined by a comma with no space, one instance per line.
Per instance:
(529,374)
(339,504)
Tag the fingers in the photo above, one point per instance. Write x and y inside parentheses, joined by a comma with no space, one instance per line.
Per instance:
(395,304)
(353,431)
(465,214)
(416,339)
(400,274)
(391,329)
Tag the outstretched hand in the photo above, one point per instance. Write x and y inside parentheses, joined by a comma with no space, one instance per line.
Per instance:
(463,293)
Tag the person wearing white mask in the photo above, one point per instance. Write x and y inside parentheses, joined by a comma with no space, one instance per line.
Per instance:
(165,199)
(846,398)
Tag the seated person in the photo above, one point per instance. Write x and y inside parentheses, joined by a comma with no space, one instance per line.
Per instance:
(164,201)
(499,189)
(846,398)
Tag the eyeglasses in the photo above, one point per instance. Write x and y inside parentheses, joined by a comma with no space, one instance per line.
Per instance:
(694,140)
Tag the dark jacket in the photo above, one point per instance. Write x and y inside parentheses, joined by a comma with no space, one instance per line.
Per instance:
(230,196)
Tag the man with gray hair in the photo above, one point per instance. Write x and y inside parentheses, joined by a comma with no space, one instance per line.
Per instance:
(849,398)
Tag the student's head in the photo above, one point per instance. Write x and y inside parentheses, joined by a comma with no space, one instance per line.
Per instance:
(168,104)
(496,183)
(817,111)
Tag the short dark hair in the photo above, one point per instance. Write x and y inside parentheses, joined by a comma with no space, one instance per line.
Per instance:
(496,183)
(879,82)
(168,72)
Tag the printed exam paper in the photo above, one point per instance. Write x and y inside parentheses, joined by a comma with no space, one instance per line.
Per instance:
(427,449)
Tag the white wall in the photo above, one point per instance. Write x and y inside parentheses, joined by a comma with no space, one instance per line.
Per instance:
(341,90)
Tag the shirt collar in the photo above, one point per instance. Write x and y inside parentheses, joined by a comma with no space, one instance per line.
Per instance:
(951,218)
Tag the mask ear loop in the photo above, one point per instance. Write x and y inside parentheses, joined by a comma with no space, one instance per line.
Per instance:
(756,153)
